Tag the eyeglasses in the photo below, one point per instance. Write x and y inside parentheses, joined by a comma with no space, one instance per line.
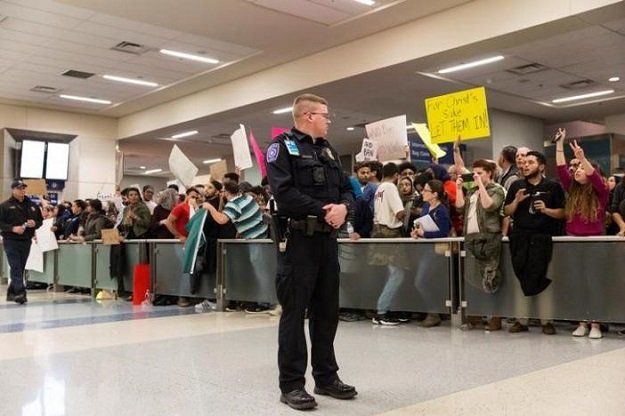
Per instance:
(325,115)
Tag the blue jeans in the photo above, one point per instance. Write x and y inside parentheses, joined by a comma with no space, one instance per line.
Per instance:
(395,279)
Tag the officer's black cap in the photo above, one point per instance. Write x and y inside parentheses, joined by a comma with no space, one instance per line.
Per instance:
(18,183)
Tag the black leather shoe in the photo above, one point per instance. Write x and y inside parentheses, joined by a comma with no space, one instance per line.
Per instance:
(299,399)
(21,299)
(337,389)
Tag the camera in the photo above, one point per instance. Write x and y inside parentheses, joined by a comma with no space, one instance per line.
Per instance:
(467,177)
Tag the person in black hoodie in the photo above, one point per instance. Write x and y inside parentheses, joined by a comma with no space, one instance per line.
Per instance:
(19,217)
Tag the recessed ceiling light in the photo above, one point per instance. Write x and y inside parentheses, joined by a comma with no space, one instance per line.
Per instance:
(367,2)
(614,79)
(582,96)
(130,81)
(184,134)
(142,167)
(86,99)
(350,129)
(149,172)
(283,110)
(189,56)
(470,64)
(206,162)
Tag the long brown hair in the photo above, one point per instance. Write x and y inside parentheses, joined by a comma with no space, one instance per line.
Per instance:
(582,200)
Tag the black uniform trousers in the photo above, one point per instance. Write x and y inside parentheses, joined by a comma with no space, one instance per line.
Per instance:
(308,278)
(17,252)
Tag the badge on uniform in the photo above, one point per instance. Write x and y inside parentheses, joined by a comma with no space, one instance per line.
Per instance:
(328,153)
(273,152)
(292,148)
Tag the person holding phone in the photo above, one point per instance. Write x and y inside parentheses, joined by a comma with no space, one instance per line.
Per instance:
(536,205)
(482,225)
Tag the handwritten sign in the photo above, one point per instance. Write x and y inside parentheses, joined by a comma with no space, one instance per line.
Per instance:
(369,149)
(462,113)
(390,137)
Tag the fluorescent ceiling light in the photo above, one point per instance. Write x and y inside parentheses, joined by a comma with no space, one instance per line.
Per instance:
(185,134)
(350,129)
(614,79)
(206,162)
(130,81)
(142,167)
(581,97)
(367,2)
(470,64)
(189,56)
(283,110)
(148,172)
(86,99)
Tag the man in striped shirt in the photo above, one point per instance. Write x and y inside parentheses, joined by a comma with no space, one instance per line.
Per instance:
(242,211)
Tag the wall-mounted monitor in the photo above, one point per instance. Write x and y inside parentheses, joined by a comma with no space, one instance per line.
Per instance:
(57,160)
(32,158)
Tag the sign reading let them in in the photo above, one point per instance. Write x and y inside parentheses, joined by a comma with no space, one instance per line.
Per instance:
(462,113)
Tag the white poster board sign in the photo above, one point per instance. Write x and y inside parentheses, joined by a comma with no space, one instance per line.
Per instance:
(390,136)
(240,149)
(369,150)
(45,236)
(181,167)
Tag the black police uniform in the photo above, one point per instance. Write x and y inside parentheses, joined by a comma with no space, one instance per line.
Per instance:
(305,174)
(17,246)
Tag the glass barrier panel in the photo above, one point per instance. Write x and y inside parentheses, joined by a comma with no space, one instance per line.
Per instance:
(48,270)
(102,258)
(74,265)
(169,279)
(584,274)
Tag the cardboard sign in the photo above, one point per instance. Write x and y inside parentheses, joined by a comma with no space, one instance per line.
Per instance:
(36,187)
(462,113)
(110,236)
(390,136)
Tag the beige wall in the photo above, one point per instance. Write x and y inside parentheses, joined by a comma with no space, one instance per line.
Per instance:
(92,152)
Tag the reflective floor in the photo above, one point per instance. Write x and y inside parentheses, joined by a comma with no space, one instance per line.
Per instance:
(67,355)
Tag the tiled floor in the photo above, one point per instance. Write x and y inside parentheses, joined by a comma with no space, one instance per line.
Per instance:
(66,355)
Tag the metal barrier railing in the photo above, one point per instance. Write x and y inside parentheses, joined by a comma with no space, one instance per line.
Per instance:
(439,277)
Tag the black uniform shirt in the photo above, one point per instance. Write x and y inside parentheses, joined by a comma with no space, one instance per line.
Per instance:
(305,174)
(546,190)
(14,212)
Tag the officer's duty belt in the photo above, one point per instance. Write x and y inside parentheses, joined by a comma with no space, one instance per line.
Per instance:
(300,225)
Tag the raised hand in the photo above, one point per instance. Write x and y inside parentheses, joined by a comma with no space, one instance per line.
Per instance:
(577,150)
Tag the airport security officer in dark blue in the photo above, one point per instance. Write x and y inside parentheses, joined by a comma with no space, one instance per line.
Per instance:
(19,217)
(313,196)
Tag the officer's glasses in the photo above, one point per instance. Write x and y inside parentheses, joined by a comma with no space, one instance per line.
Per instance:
(326,115)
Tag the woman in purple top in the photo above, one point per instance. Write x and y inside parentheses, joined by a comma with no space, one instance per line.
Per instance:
(585,205)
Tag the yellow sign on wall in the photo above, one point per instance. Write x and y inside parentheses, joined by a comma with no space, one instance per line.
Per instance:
(462,113)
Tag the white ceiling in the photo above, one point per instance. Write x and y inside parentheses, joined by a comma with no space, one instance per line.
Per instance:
(41,38)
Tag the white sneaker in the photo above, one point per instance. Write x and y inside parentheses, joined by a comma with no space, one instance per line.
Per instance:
(581,331)
(595,332)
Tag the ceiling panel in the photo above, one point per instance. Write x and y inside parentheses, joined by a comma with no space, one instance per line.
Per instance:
(51,7)
(37,15)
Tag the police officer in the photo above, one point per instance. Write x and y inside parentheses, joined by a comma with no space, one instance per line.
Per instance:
(313,196)
(19,217)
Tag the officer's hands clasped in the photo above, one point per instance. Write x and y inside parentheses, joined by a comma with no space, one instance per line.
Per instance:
(335,215)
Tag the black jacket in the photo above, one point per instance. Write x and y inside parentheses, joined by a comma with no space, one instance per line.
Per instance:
(13,213)
(305,175)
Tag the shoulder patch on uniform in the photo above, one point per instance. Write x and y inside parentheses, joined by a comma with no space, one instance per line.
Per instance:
(272,152)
